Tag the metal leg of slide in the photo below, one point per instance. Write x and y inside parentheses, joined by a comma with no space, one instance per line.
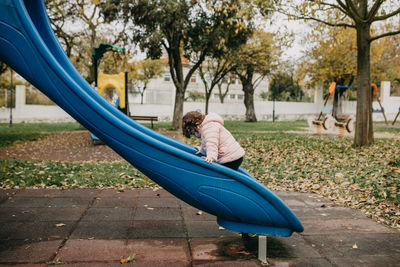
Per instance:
(262,249)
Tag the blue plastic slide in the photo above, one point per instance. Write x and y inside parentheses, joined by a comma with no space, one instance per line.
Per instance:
(240,203)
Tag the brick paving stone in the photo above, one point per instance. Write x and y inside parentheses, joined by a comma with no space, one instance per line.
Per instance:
(192,214)
(327,213)
(146,250)
(163,214)
(6,193)
(59,214)
(108,214)
(318,202)
(77,250)
(185,205)
(153,250)
(26,265)
(112,202)
(96,264)
(207,229)
(39,252)
(106,225)
(207,249)
(347,245)
(238,263)
(292,194)
(367,261)
(79,193)
(160,193)
(158,202)
(299,262)
(42,231)
(66,202)
(157,229)
(294,203)
(133,263)
(293,247)
(28,202)
(8,228)
(127,193)
(318,227)
(102,230)
(220,249)
(162,264)
(40,192)
(11,214)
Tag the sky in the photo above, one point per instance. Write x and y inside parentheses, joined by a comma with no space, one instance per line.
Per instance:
(280,24)
(299,29)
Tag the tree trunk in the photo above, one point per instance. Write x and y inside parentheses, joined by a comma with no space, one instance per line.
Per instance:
(178,108)
(363,130)
(249,103)
(248,89)
(221,94)
(207,102)
(176,70)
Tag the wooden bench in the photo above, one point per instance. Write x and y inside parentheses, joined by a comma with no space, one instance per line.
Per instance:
(151,119)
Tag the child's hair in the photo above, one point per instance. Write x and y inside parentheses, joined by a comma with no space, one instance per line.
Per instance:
(190,122)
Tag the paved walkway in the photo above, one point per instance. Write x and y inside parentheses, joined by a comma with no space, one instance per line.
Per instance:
(90,227)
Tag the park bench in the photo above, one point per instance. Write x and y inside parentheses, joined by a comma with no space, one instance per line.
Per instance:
(150,119)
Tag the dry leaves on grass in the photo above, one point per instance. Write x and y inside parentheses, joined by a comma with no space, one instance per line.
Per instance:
(366,178)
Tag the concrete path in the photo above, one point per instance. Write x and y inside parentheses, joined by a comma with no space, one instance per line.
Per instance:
(90,227)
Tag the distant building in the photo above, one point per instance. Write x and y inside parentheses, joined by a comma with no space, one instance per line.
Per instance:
(162,90)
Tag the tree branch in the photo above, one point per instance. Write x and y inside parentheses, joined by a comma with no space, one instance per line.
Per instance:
(352,10)
(327,23)
(340,7)
(394,13)
(383,35)
(374,10)
(305,17)
(344,7)
(194,68)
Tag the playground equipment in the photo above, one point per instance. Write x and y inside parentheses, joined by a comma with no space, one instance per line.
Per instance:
(395,118)
(238,200)
(98,53)
(374,89)
(326,122)
(119,82)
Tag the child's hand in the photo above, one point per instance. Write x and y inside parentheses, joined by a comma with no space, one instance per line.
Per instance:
(208,160)
(198,149)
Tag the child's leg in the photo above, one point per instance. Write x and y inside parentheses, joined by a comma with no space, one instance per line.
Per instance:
(233,164)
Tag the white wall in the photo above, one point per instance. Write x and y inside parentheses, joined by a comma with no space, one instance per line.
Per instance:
(234,109)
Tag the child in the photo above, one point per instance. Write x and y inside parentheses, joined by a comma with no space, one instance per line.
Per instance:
(217,143)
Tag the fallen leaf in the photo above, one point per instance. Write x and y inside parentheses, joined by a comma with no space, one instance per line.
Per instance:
(129,259)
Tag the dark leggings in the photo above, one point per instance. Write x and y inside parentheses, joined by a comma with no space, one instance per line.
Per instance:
(233,164)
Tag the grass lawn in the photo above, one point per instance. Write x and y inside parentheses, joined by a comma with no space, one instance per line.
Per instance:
(365,178)
(21,132)
(382,127)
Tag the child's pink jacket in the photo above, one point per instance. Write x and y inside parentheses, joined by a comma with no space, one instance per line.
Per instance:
(217,142)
